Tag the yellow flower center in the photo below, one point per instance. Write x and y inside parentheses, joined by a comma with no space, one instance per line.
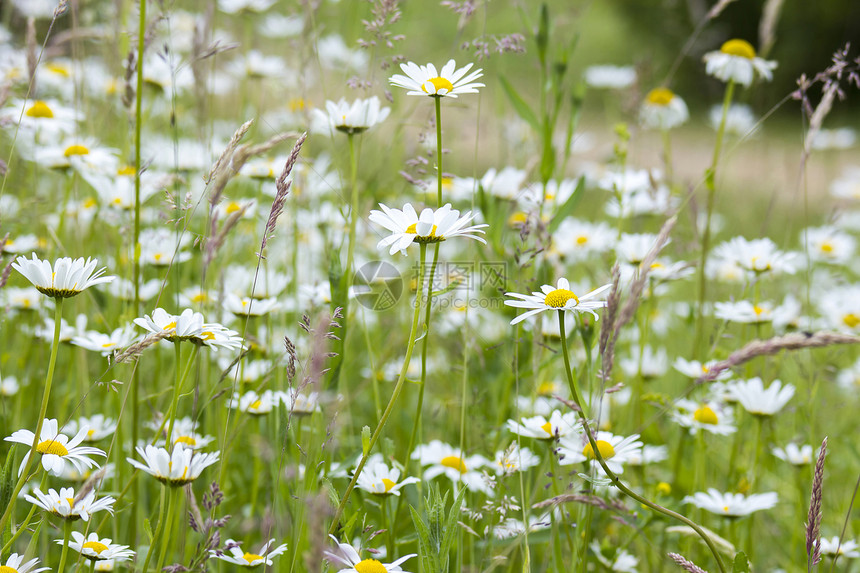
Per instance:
(91,433)
(758,310)
(370,566)
(296,104)
(199,297)
(58,69)
(740,48)
(546,388)
(605,448)
(76,149)
(581,240)
(188,440)
(255,404)
(40,110)
(90,203)
(725,509)
(455,463)
(52,447)
(207,335)
(660,96)
(127,171)
(388,484)
(5,569)
(413,228)
(438,84)
(559,297)
(851,320)
(827,247)
(705,415)
(169,325)
(664,488)
(233,207)
(517,219)
(547,428)
(71,501)
(95,546)
(251,557)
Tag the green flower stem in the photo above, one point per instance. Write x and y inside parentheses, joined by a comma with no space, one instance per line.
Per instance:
(438,151)
(158,528)
(353,211)
(169,518)
(609,473)
(171,415)
(416,315)
(58,319)
(67,533)
(710,183)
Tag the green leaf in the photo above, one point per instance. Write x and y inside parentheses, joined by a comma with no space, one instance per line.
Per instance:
(147,527)
(569,206)
(542,35)
(741,564)
(520,106)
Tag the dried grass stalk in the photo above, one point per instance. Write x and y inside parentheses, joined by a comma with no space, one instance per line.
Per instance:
(686,564)
(813,519)
(283,189)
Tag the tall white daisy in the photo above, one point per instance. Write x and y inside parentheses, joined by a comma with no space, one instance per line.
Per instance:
(347,555)
(57,449)
(559,297)
(239,557)
(175,468)
(431,226)
(448,82)
(65,278)
(736,61)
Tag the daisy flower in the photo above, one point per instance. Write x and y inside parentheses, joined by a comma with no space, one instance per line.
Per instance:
(347,555)
(447,460)
(796,456)
(761,401)
(431,226)
(558,425)
(736,61)
(757,256)
(610,77)
(450,82)
(97,427)
(96,549)
(559,297)
(57,449)
(379,479)
(514,459)
(828,244)
(576,240)
(178,468)
(353,118)
(505,184)
(695,369)
(744,311)
(65,278)
(298,403)
(244,306)
(105,344)
(840,308)
(615,450)
(732,504)
(217,336)
(252,403)
(832,546)
(16,564)
(239,557)
(621,560)
(709,416)
(740,119)
(65,504)
(663,109)
(185,326)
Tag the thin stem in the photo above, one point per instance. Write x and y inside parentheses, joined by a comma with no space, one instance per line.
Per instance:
(67,533)
(438,151)
(58,318)
(710,183)
(353,212)
(165,538)
(176,385)
(416,315)
(158,528)
(609,473)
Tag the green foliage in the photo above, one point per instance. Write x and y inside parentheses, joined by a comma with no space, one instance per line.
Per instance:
(436,533)
(569,206)
(741,563)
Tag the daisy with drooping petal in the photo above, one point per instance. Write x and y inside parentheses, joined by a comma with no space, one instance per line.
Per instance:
(615,450)
(445,459)
(736,61)
(15,564)
(757,256)
(65,278)
(796,456)
(97,427)
(353,118)
(57,449)
(663,109)
(379,479)
(558,425)
(185,326)
(239,557)
(449,82)
(695,369)
(732,504)
(64,504)
(348,555)
(105,344)
(178,468)
(710,417)
(559,297)
(96,549)
(761,401)
(431,226)
(846,548)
